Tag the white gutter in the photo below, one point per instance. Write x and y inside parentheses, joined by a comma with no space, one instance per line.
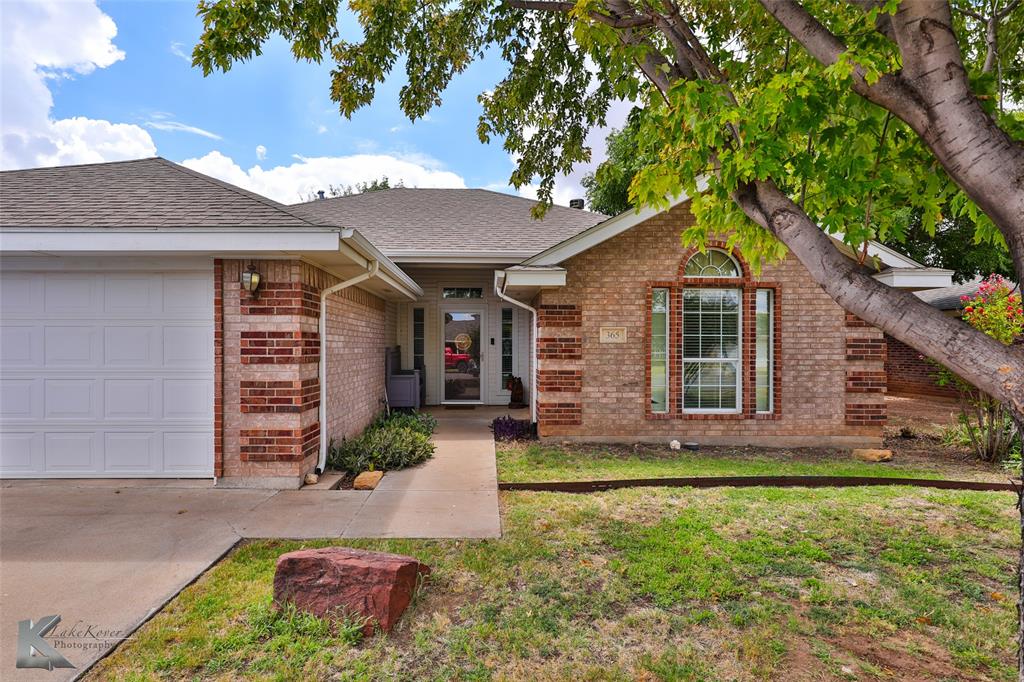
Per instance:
(500,291)
(371,271)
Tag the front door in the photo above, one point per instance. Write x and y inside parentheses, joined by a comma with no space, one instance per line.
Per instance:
(462,355)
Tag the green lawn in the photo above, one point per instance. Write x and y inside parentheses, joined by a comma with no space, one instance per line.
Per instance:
(656,584)
(543,462)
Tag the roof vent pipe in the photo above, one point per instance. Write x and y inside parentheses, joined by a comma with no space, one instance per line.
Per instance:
(320,194)
(576,203)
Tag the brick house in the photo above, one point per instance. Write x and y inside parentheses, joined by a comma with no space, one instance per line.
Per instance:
(134,343)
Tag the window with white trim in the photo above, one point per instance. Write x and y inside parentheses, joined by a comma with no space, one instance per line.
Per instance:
(711,349)
(711,263)
(764,361)
(659,350)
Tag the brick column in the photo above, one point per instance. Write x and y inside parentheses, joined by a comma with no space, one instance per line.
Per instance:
(270,387)
(865,376)
(559,368)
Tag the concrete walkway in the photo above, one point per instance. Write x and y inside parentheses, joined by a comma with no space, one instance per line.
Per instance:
(108,553)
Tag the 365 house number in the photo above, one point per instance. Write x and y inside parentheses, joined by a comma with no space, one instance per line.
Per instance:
(613,335)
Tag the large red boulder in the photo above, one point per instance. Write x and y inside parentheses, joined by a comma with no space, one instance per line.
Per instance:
(352,582)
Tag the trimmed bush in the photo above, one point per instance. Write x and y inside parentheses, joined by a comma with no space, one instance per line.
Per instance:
(421,422)
(403,440)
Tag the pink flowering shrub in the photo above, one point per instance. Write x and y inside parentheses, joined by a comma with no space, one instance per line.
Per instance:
(995,309)
(985,424)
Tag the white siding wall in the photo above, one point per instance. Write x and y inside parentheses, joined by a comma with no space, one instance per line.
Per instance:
(433,280)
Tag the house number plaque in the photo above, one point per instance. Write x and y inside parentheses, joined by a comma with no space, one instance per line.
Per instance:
(613,335)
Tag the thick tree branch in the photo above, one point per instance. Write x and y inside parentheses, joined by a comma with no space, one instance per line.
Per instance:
(933,96)
(628,21)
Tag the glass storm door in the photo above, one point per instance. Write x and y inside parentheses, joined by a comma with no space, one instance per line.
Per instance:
(462,356)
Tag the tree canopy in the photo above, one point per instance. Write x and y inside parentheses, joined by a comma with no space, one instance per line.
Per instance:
(781,120)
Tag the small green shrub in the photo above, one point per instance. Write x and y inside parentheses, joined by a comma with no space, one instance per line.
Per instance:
(421,422)
(403,440)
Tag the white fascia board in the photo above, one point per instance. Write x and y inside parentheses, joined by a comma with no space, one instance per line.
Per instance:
(167,241)
(229,242)
(540,277)
(916,278)
(602,232)
(400,280)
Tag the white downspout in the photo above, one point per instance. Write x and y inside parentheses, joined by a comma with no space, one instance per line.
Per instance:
(500,291)
(371,271)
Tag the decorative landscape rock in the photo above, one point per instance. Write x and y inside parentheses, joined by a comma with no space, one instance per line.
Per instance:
(872,455)
(311,479)
(335,581)
(367,480)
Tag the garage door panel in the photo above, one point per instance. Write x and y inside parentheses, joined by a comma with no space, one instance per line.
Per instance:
(131,399)
(132,346)
(76,294)
(187,399)
(182,451)
(21,452)
(127,452)
(106,374)
(21,346)
(21,294)
(187,345)
(71,346)
(131,295)
(72,399)
(183,293)
(70,452)
(20,399)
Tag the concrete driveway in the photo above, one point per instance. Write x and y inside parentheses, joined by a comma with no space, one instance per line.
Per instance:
(104,555)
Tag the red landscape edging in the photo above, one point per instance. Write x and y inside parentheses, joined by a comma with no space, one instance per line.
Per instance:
(754,481)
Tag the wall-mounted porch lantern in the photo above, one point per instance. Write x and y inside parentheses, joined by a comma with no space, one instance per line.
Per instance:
(251,279)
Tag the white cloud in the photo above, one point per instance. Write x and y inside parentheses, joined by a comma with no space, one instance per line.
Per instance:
(48,40)
(178,50)
(176,127)
(321,129)
(292,183)
(261,152)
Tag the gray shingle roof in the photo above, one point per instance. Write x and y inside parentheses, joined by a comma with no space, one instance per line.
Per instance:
(948,298)
(456,220)
(143,193)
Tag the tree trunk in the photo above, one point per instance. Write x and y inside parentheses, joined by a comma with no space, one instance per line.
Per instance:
(994,368)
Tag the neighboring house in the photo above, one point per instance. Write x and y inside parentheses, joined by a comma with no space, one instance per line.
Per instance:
(131,348)
(908,371)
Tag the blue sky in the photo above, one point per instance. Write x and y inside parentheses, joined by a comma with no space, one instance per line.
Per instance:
(121,85)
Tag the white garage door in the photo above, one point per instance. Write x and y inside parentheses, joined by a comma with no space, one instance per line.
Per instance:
(106,374)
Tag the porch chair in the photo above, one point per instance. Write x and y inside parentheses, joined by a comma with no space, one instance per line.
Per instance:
(403,385)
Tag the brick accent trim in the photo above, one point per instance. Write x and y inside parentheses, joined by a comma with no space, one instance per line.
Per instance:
(854,321)
(282,298)
(278,348)
(566,380)
(279,445)
(560,413)
(865,349)
(218,367)
(560,348)
(865,381)
(562,315)
(279,397)
(866,414)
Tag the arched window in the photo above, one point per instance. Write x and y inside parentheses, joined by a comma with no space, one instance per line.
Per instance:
(711,263)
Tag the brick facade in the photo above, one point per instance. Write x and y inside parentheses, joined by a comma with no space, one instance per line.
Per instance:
(267,388)
(909,372)
(609,396)
(566,315)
